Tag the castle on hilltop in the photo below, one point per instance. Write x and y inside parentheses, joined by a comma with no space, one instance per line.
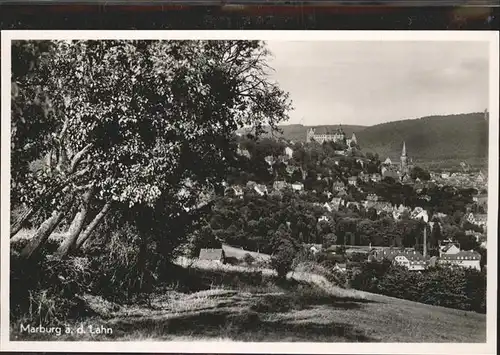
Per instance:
(337,136)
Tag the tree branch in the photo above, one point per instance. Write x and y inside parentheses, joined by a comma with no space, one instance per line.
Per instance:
(78,157)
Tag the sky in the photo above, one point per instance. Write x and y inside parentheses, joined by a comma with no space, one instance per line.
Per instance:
(368,83)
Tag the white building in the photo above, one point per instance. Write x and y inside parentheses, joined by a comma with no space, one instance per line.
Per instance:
(420,213)
(411,263)
(261,189)
(289,152)
(465,259)
(449,249)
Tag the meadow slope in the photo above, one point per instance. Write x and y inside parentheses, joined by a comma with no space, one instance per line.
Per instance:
(234,305)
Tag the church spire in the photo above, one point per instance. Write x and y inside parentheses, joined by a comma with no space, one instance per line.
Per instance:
(404,160)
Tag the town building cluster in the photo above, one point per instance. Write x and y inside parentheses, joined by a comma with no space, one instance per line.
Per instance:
(449,255)
(449,252)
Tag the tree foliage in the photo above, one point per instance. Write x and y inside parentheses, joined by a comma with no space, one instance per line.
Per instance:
(147,121)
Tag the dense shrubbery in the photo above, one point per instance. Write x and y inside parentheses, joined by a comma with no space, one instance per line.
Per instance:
(441,286)
(44,289)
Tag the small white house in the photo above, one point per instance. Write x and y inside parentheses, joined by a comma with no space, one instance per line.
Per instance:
(298,186)
(338,186)
(420,213)
(213,255)
(289,152)
(235,190)
(353,180)
(260,189)
(336,202)
(449,249)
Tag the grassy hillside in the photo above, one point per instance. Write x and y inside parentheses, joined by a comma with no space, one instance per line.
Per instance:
(237,304)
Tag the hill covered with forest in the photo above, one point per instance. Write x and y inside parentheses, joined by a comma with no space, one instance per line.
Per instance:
(433,138)
(462,136)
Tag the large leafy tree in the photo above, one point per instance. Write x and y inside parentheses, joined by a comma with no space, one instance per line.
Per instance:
(145,121)
(32,124)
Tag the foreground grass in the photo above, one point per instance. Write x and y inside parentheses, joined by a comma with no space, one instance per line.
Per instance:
(229,303)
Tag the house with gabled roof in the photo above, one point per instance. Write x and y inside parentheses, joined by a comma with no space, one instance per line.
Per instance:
(408,258)
(419,213)
(449,249)
(261,189)
(336,202)
(338,186)
(352,180)
(215,255)
(234,190)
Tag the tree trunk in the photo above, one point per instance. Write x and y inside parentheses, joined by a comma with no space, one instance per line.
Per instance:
(75,228)
(42,234)
(90,228)
(20,221)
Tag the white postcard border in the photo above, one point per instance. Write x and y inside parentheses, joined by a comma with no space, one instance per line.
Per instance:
(240,347)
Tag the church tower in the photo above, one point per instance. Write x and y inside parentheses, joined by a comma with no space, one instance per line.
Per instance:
(354,139)
(309,135)
(404,160)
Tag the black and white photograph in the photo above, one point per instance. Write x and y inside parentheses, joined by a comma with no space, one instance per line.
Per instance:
(263,188)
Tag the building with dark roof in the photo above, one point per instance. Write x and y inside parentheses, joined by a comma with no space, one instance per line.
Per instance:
(408,258)
(465,259)
(216,255)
